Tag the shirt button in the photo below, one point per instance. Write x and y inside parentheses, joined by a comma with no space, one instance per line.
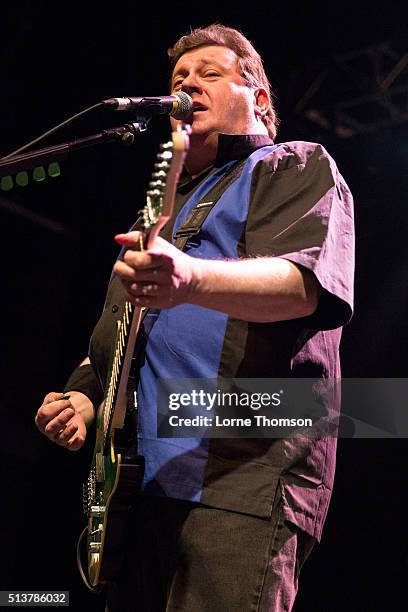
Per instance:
(115,308)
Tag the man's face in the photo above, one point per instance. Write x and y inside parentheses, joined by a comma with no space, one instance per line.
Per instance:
(222,101)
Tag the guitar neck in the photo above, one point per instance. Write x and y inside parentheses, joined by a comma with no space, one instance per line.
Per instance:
(116,392)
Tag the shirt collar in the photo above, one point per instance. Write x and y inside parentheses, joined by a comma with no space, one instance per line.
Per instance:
(230,147)
(238,146)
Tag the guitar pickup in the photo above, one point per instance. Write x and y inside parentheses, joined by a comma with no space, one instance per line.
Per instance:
(100,467)
(97,511)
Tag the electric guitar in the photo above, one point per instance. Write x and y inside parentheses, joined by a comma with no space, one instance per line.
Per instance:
(115,479)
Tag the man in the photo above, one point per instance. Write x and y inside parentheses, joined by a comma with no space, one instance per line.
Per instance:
(262,292)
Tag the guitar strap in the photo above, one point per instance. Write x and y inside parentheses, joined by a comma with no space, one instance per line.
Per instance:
(194,221)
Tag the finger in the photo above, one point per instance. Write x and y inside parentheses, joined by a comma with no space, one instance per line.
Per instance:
(53,428)
(75,443)
(52,397)
(128,274)
(146,260)
(65,434)
(132,235)
(130,239)
(47,412)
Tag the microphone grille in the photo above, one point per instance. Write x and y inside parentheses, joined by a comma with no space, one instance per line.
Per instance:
(185,107)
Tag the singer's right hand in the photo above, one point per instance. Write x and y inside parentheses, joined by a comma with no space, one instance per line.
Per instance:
(62,421)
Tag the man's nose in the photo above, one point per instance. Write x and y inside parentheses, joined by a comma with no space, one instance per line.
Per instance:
(191,84)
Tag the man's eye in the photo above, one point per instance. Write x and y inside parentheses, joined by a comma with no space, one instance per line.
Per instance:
(211,73)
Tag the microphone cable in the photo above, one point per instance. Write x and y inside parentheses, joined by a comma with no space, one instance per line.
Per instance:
(54,129)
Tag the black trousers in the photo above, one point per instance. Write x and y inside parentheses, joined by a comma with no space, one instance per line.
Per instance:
(192,558)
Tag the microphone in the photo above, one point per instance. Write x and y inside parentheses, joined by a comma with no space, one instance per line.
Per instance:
(179,105)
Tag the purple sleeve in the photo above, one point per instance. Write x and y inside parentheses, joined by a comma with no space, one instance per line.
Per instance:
(302,210)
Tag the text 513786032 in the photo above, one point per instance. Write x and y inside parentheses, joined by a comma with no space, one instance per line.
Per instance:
(33,598)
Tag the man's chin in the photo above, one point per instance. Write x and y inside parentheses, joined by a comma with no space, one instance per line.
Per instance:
(203,130)
(198,127)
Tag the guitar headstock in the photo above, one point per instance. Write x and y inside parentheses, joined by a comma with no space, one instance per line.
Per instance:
(162,187)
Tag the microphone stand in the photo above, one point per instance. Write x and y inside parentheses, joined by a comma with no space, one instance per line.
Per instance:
(124,134)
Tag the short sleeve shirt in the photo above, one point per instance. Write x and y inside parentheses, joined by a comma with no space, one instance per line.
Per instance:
(290,201)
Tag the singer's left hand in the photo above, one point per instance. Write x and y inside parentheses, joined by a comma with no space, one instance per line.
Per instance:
(161,277)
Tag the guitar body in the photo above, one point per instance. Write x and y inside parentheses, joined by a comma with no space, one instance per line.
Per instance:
(112,487)
(115,478)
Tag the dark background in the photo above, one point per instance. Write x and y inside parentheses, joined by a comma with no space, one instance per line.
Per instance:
(58,248)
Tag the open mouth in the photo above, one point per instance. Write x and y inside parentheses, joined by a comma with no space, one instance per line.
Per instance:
(198,108)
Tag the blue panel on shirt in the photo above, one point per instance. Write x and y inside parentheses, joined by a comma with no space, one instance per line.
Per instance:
(187,341)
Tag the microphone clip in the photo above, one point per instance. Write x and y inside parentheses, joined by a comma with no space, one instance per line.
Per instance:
(126,133)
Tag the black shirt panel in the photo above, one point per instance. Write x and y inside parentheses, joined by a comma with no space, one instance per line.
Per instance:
(301,210)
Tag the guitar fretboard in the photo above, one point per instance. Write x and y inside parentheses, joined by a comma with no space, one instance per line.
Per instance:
(122,336)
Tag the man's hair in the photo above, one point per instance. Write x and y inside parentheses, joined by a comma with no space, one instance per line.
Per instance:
(249,60)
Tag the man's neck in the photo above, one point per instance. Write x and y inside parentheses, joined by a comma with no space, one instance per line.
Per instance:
(201,155)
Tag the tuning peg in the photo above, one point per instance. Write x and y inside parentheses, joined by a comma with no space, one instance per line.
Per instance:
(165,146)
(156,184)
(165,155)
(162,166)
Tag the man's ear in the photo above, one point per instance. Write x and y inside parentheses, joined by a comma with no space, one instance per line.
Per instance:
(261,102)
